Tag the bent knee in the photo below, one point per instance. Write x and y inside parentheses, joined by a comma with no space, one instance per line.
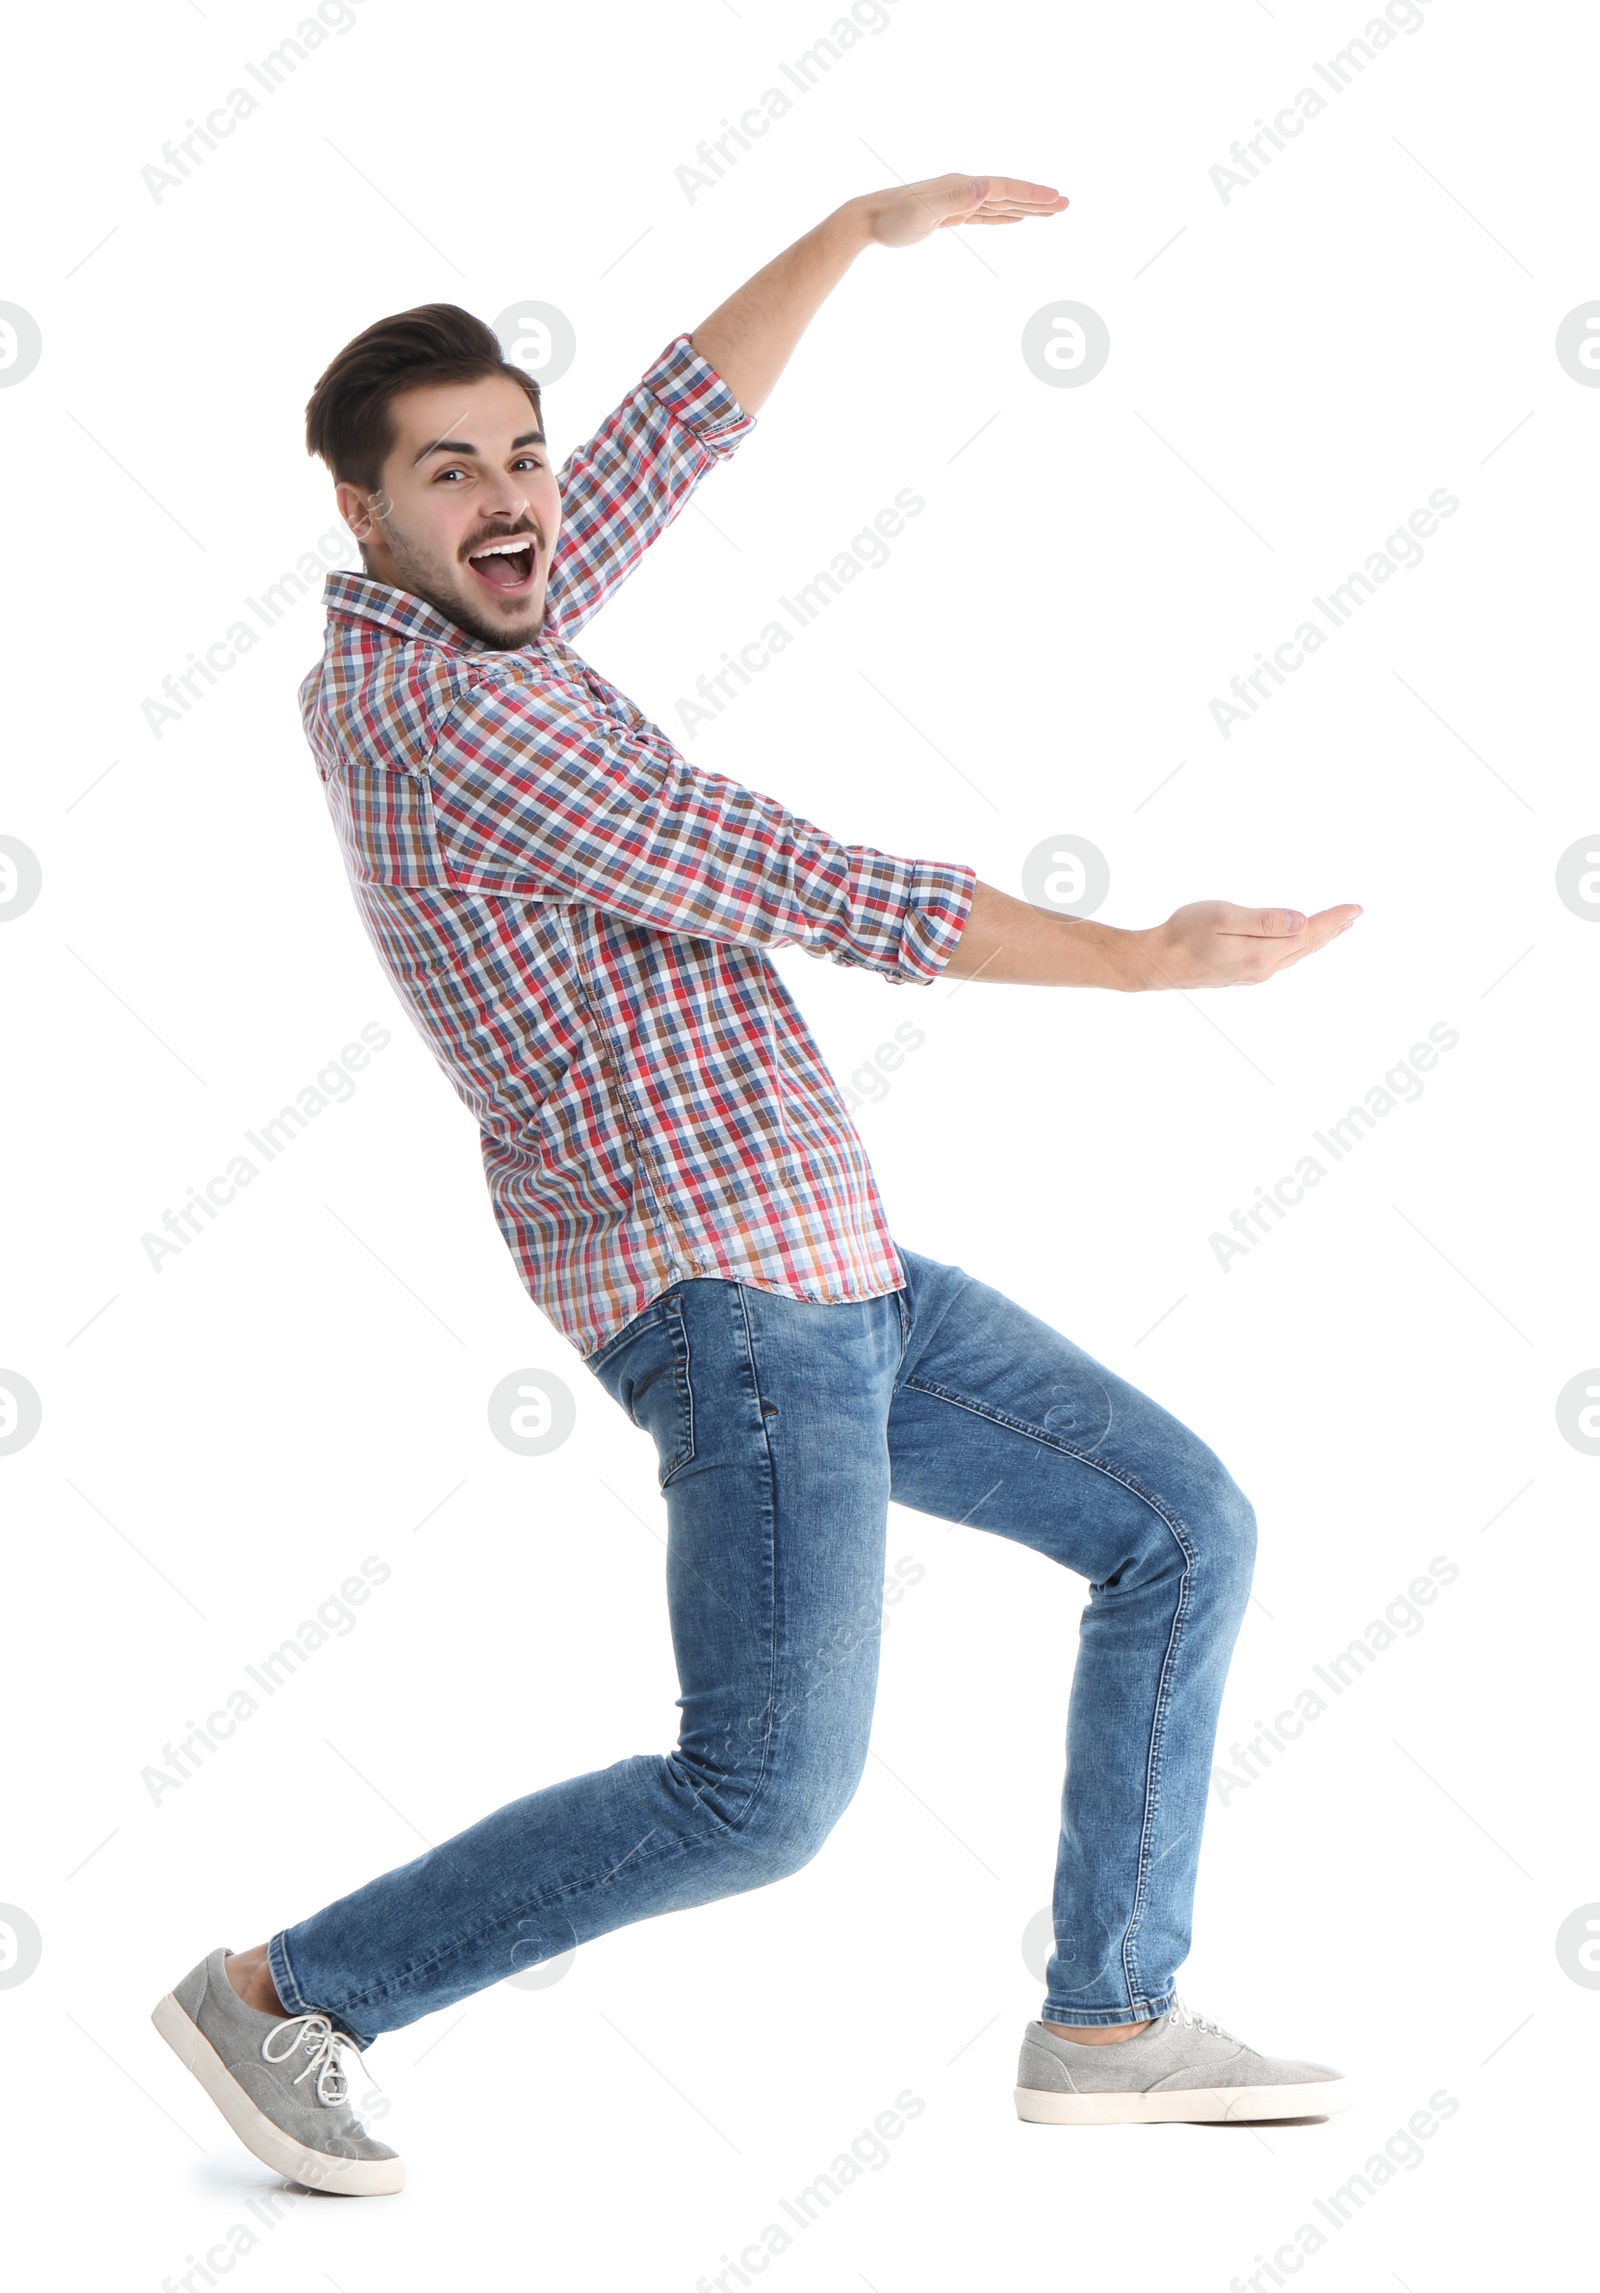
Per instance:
(1221,1522)
(790,1821)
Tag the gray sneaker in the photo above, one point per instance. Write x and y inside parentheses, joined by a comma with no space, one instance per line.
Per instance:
(1182,2069)
(246,2061)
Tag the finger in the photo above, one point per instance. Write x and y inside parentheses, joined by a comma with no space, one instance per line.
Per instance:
(1325,925)
(1261,923)
(951,197)
(988,198)
(1010,188)
(1273,938)
(1319,933)
(989,213)
(1282,923)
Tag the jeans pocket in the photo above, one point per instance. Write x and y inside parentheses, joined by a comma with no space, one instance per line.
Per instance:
(646,1372)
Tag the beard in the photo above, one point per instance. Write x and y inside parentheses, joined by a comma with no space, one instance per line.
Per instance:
(436,581)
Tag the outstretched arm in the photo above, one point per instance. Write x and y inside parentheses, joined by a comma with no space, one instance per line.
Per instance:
(749,337)
(1210,943)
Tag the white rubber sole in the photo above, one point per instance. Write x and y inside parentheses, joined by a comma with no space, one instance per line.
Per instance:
(1195,2106)
(314,2169)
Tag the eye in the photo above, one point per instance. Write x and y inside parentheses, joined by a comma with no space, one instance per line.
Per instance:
(528,462)
(455,472)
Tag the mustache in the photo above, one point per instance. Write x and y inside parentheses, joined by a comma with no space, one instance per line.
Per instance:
(527,530)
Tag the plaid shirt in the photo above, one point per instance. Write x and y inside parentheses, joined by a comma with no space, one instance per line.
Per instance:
(578,920)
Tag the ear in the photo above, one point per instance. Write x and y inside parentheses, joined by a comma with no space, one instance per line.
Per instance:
(355,507)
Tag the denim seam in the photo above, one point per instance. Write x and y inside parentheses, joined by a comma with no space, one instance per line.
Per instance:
(1049,1441)
(284,1979)
(1152,1791)
(676,1848)
(645,1319)
(772,1555)
(291,1996)
(1140,2010)
(663,1312)
(1153,1773)
(682,1378)
(521,1909)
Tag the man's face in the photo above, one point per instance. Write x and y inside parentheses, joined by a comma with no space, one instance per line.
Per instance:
(468,508)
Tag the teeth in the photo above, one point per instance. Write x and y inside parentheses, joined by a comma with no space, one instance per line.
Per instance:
(503,549)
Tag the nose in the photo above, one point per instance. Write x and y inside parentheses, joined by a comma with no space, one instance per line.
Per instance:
(505,500)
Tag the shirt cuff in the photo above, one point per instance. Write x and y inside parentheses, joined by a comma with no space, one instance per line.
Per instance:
(694,393)
(907,917)
(938,900)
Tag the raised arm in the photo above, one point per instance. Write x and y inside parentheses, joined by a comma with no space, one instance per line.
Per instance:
(694,406)
(748,338)
(627,483)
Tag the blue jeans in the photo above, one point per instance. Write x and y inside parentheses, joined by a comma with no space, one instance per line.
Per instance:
(783,1429)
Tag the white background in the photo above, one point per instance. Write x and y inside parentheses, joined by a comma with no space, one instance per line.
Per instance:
(1292,372)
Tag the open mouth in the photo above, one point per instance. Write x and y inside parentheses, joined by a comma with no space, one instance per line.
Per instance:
(507,567)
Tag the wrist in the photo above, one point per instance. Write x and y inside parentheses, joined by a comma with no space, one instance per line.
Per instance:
(1132,960)
(1104,955)
(854,225)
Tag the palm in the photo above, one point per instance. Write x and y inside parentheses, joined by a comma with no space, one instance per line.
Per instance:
(915,211)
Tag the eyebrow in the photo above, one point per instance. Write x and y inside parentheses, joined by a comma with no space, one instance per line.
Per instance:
(460,445)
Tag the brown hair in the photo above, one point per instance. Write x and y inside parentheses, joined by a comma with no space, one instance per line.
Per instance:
(348,419)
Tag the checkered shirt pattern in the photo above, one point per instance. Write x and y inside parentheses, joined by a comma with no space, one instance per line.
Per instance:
(577,920)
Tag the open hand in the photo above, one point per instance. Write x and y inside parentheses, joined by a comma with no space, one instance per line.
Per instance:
(914,211)
(1211,943)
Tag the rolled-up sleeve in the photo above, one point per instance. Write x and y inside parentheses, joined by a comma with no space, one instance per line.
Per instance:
(931,898)
(854,905)
(629,481)
(533,795)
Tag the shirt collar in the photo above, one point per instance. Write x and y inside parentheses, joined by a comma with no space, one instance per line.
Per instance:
(357,597)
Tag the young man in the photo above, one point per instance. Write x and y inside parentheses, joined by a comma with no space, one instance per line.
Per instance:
(577,920)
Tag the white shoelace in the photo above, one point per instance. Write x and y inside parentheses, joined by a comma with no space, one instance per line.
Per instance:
(1186,2019)
(320,2040)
